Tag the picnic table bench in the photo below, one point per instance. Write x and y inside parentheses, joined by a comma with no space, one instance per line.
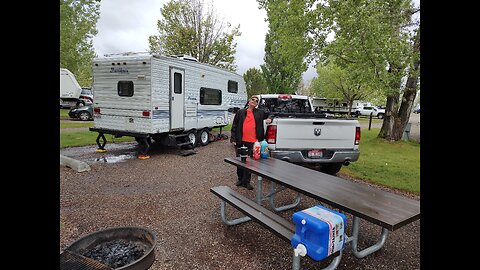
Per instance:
(388,210)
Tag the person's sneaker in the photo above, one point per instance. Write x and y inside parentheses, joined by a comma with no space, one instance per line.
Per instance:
(248,186)
(239,183)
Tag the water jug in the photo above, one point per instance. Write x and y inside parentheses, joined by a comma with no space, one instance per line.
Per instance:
(264,149)
(256,150)
(320,230)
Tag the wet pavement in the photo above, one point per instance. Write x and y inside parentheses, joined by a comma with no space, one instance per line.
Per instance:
(116,152)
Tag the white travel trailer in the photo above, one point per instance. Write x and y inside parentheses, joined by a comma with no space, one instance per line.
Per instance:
(172,100)
(70,90)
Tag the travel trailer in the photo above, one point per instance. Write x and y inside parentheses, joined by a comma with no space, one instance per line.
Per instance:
(70,90)
(174,100)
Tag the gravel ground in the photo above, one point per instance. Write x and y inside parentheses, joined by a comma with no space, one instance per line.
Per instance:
(170,195)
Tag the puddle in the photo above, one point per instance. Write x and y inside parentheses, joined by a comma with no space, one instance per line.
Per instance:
(114,158)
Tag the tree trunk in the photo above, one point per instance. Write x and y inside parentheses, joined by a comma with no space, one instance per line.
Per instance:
(395,122)
(386,132)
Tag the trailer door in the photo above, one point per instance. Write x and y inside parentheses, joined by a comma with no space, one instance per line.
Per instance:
(177,93)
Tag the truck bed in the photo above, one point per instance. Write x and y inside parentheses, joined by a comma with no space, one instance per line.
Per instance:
(314,132)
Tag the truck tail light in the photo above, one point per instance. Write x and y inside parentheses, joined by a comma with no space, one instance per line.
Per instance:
(146,113)
(357,135)
(284,96)
(272,134)
(96,110)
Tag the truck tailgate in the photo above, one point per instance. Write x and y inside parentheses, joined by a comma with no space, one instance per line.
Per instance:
(315,133)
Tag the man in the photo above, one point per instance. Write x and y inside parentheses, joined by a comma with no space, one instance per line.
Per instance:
(247,128)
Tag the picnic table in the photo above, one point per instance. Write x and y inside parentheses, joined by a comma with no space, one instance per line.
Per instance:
(388,210)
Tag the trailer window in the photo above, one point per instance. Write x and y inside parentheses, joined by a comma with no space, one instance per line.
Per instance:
(209,96)
(177,83)
(232,86)
(125,88)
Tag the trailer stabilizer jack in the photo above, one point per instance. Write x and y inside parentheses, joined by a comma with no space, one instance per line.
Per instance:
(101,148)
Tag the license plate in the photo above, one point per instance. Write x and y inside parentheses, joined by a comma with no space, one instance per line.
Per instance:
(315,153)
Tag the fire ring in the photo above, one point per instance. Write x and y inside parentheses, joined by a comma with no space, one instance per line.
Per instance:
(122,248)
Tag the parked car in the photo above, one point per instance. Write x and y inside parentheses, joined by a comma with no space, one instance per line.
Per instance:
(367,110)
(86,97)
(84,113)
(417,110)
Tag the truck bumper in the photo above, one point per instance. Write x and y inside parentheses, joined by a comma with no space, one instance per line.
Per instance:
(338,156)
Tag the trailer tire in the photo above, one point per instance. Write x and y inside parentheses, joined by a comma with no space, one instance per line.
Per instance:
(203,137)
(192,136)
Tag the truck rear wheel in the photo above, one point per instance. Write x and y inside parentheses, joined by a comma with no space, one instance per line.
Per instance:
(332,168)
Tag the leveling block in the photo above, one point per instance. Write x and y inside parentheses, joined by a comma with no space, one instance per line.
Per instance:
(143,156)
(319,231)
(101,150)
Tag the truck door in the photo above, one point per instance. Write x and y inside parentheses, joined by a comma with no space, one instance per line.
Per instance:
(177,94)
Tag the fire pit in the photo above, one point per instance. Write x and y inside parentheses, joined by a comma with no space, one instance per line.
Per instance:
(123,248)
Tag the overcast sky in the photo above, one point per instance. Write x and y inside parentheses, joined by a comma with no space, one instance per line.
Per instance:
(125,25)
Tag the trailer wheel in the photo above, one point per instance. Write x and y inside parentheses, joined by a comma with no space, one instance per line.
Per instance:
(192,136)
(204,137)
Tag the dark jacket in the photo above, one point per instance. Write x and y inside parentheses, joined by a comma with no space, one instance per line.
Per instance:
(237,125)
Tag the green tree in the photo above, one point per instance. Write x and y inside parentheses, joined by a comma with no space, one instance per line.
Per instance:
(380,42)
(255,82)
(78,19)
(287,44)
(343,83)
(187,29)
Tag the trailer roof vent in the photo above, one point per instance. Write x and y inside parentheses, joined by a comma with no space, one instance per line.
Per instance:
(187,57)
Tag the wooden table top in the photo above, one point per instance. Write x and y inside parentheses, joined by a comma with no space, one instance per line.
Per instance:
(380,207)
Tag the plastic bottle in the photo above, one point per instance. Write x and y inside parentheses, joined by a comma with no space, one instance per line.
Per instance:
(256,150)
(264,149)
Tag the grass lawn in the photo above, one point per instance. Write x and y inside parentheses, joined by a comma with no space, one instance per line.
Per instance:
(82,138)
(64,113)
(392,164)
(79,124)
(225,128)
(367,119)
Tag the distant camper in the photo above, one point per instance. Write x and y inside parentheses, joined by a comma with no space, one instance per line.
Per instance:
(163,98)
(70,90)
